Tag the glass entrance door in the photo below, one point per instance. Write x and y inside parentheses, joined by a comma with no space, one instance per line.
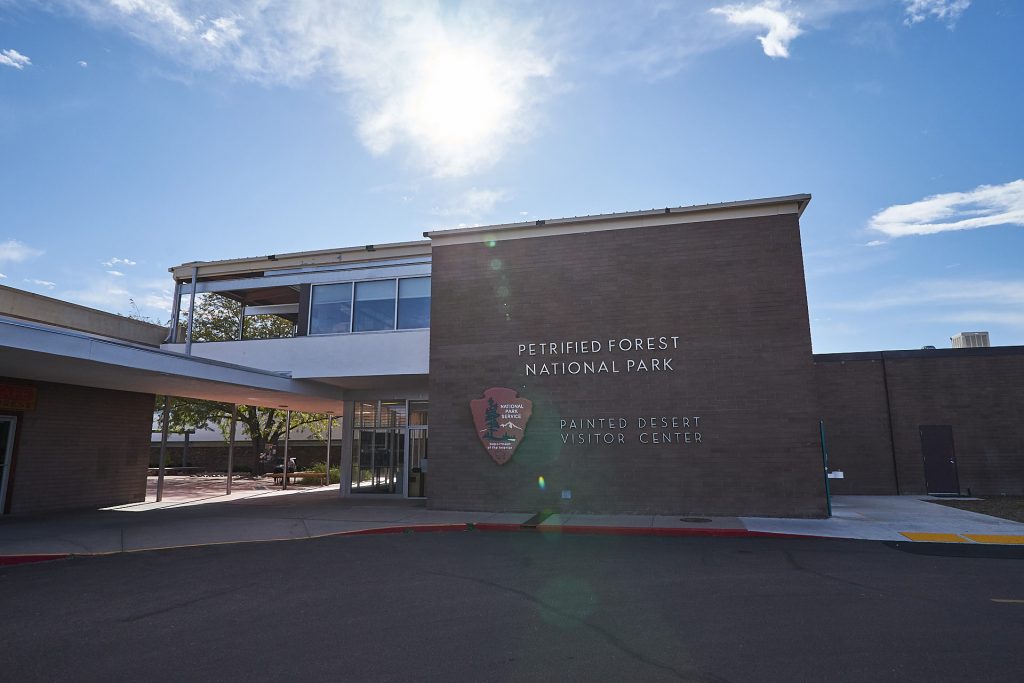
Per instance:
(389,448)
(418,449)
(378,448)
(6,453)
(417,462)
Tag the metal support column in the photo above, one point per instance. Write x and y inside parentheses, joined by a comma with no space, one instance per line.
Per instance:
(164,426)
(287,432)
(824,462)
(327,465)
(241,321)
(347,434)
(191,312)
(231,445)
(172,332)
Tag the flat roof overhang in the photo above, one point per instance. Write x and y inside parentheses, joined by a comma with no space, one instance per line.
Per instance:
(258,266)
(34,351)
(748,208)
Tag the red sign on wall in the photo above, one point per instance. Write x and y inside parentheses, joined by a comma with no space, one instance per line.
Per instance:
(17,397)
(500,418)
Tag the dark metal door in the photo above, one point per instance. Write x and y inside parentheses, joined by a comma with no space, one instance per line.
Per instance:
(939,459)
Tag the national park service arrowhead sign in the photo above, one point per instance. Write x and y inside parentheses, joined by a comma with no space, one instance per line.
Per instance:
(500,418)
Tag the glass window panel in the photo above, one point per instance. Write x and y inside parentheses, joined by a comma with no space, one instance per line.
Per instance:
(365,414)
(418,413)
(392,414)
(331,310)
(413,303)
(375,306)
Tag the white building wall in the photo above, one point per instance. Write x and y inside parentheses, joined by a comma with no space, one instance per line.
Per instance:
(363,354)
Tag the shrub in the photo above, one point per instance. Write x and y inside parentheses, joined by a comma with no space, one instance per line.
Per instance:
(335,477)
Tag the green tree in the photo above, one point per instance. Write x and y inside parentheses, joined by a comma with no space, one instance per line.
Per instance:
(216,319)
(491,419)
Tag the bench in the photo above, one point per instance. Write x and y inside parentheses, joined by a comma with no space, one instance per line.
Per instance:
(293,476)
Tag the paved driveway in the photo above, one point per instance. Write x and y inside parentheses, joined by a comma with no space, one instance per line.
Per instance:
(476,606)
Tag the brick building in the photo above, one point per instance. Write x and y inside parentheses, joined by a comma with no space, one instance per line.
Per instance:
(651,362)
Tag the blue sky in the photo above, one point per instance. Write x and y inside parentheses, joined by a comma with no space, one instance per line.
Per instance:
(139,134)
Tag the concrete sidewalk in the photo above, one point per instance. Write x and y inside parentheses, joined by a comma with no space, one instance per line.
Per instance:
(897,518)
(277,515)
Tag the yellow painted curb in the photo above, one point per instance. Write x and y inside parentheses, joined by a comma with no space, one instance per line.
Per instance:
(934,538)
(996,538)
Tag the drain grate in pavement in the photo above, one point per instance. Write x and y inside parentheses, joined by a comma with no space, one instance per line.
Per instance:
(695,520)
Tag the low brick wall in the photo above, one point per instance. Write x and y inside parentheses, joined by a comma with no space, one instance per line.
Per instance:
(80,448)
(213,456)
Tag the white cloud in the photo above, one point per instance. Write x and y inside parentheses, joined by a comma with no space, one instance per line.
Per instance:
(948,11)
(162,12)
(453,87)
(782,23)
(151,296)
(82,63)
(41,283)
(106,295)
(660,38)
(115,273)
(160,302)
(984,206)
(2,276)
(876,243)
(14,58)
(975,318)
(114,261)
(945,292)
(222,31)
(474,203)
(13,251)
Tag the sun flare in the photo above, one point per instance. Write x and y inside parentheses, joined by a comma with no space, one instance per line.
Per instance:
(458,104)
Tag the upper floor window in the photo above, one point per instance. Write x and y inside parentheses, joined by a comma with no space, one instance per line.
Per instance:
(371,305)
(413,303)
(331,309)
(375,306)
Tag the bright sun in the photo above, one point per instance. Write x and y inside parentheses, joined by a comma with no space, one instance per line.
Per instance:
(458,102)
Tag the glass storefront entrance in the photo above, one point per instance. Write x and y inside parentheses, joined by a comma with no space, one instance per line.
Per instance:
(389,447)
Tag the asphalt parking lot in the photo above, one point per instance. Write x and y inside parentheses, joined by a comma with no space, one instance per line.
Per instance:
(517,606)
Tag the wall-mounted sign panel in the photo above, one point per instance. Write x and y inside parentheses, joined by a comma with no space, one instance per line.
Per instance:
(17,397)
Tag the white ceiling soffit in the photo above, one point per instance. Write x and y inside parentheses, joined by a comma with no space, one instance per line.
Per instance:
(42,353)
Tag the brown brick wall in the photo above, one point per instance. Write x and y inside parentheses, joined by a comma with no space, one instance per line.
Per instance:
(80,448)
(733,291)
(213,457)
(851,398)
(982,397)
(978,392)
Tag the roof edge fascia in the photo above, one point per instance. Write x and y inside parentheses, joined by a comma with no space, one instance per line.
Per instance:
(750,208)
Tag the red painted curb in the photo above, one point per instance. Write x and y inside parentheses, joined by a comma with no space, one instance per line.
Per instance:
(591,530)
(26,559)
(408,528)
(494,526)
(664,531)
(639,531)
